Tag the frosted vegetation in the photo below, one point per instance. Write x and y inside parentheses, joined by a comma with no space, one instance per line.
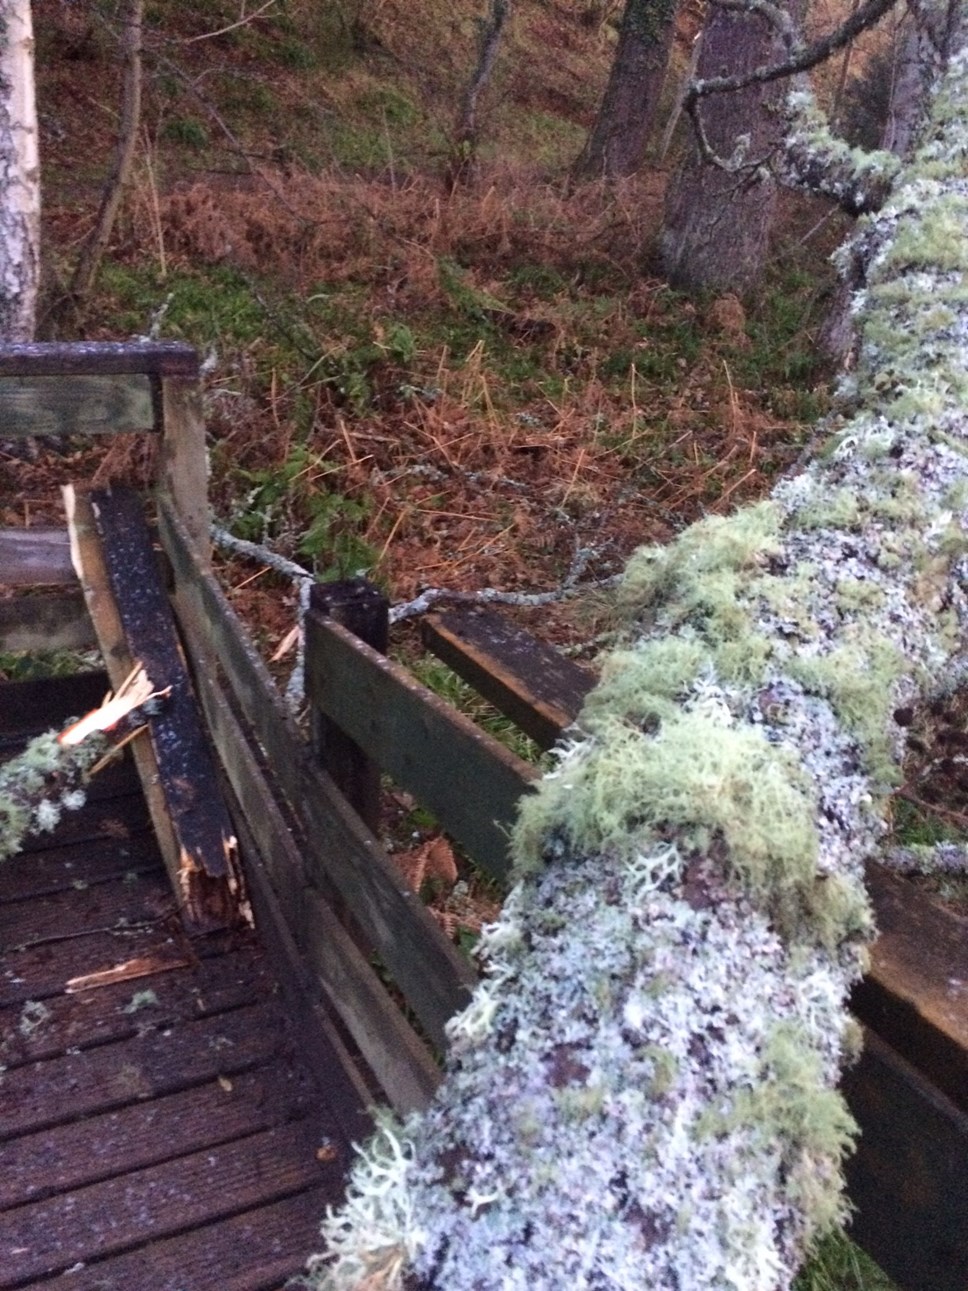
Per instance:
(642,1092)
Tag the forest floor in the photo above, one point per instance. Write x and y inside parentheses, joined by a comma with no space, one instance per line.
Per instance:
(484,386)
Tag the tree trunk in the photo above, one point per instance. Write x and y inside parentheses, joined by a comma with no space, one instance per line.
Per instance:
(716,223)
(643,1089)
(464,159)
(618,139)
(94,248)
(19,175)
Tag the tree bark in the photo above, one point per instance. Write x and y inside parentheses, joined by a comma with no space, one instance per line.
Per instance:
(464,159)
(94,248)
(643,1089)
(716,224)
(19,175)
(618,140)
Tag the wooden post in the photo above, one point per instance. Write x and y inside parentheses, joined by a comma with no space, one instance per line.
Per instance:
(362,608)
(183,469)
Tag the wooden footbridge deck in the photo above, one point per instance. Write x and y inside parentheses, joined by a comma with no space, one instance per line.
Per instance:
(180,1082)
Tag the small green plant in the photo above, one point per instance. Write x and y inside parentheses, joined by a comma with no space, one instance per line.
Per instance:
(287,506)
(186,132)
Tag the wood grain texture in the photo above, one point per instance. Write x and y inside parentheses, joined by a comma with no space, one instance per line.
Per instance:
(77,405)
(98,358)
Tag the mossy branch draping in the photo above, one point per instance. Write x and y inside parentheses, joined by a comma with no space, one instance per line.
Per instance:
(643,1091)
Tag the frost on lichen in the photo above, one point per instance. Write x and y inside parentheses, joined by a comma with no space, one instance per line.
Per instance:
(642,1092)
(39,784)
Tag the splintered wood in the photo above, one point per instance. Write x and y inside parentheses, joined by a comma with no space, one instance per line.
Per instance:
(115,562)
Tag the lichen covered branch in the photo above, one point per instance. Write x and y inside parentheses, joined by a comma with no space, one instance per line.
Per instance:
(642,1092)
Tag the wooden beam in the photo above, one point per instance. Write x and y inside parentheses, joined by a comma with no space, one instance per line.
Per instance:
(119,575)
(433,977)
(363,610)
(467,779)
(98,358)
(71,405)
(915,995)
(907,1178)
(35,557)
(183,464)
(51,622)
(279,875)
(533,684)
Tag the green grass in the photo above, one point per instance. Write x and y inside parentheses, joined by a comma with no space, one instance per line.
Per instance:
(839,1265)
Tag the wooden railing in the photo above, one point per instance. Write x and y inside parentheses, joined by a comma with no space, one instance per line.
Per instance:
(94,388)
(358,943)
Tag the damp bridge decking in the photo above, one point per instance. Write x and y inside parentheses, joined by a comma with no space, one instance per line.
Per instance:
(179,1089)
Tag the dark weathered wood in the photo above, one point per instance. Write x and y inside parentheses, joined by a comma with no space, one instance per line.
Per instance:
(195,832)
(149,1133)
(79,866)
(98,358)
(429,971)
(161,1200)
(532,683)
(59,621)
(118,904)
(470,781)
(907,1178)
(34,557)
(259,1250)
(200,988)
(362,609)
(401,1064)
(915,995)
(60,1090)
(78,405)
(29,707)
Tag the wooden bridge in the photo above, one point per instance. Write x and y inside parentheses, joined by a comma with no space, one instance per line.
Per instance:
(182,1078)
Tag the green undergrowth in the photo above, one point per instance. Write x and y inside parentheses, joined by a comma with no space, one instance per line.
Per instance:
(839,1265)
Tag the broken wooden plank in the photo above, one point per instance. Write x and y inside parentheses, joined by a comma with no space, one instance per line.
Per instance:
(122,586)
(907,1179)
(78,405)
(468,780)
(431,974)
(532,683)
(98,358)
(34,557)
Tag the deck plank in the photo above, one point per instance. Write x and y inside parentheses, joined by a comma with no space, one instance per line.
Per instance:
(50,1236)
(256,1251)
(158,1134)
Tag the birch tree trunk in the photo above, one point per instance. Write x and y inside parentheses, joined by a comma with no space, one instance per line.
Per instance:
(642,1092)
(19,175)
(617,142)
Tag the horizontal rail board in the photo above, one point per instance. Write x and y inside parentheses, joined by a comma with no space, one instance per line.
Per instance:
(52,622)
(35,557)
(432,976)
(467,779)
(530,682)
(915,994)
(907,1178)
(404,1068)
(98,358)
(76,405)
